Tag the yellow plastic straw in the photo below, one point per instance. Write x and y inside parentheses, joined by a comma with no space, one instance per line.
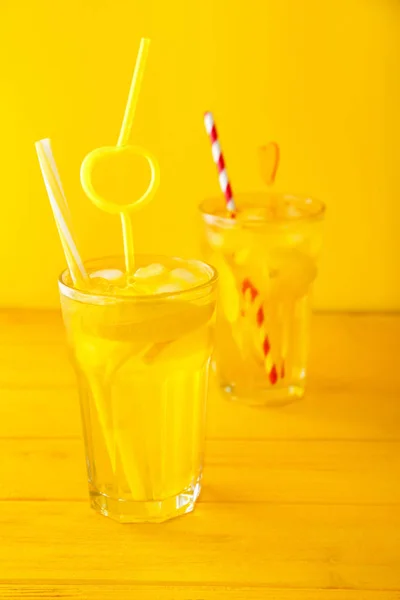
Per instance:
(61,212)
(90,160)
(111,206)
(133,96)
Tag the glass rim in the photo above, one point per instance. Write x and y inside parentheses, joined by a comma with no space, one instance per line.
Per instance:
(210,216)
(89,296)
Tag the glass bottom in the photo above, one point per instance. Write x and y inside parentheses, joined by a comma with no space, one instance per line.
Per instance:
(154,511)
(271,396)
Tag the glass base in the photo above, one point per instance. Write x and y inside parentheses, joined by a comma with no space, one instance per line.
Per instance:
(153,511)
(271,396)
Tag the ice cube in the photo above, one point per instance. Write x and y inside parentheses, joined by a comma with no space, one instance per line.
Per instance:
(295,273)
(169,288)
(99,284)
(200,273)
(216,240)
(108,274)
(253,214)
(183,275)
(153,270)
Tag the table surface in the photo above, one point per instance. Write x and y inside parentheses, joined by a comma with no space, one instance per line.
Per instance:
(298,503)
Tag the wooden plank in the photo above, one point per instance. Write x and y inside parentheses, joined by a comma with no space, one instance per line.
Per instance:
(334,415)
(342,332)
(40,413)
(117,591)
(27,327)
(353,391)
(302,472)
(236,471)
(341,414)
(35,367)
(286,510)
(349,352)
(345,547)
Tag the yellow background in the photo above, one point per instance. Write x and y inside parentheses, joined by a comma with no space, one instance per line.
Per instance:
(320,77)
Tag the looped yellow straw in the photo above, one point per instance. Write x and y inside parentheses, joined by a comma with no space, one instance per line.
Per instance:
(87,168)
(98,200)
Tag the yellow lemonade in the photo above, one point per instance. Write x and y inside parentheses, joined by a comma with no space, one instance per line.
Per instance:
(141,347)
(266,259)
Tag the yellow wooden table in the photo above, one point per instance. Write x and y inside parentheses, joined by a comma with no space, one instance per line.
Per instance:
(298,503)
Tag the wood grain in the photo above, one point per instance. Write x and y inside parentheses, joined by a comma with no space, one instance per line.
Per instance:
(324,415)
(235,471)
(300,503)
(353,389)
(305,546)
(118,591)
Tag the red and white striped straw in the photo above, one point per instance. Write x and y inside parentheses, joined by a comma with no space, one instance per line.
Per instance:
(219,161)
(252,296)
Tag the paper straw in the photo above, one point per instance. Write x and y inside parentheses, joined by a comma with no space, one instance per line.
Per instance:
(218,158)
(252,297)
(61,212)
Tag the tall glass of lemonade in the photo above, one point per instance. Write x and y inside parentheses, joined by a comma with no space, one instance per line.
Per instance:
(141,347)
(266,257)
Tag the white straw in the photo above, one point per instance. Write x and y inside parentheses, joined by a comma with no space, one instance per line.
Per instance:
(46,145)
(60,209)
